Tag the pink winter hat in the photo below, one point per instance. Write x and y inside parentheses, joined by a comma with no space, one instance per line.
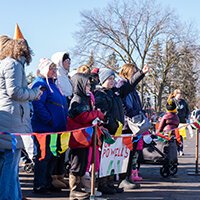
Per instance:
(95,70)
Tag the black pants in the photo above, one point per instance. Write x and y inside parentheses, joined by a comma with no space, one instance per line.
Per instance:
(44,168)
(180,148)
(129,168)
(60,165)
(78,159)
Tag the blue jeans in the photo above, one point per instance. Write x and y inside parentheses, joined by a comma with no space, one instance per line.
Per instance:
(9,180)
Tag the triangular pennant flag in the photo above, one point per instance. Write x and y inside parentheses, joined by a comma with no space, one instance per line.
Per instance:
(18,34)
(89,131)
(136,139)
(53,143)
(64,141)
(162,136)
(197,124)
(127,141)
(41,138)
(81,138)
(177,134)
(182,132)
(119,129)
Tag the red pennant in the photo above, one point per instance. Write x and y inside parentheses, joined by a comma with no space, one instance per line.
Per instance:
(79,139)
(197,125)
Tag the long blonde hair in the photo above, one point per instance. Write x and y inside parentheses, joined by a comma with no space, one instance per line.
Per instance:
(15,49)
(128,70)
(85,69)
(175,92)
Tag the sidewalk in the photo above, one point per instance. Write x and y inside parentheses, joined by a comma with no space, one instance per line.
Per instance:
(153,187)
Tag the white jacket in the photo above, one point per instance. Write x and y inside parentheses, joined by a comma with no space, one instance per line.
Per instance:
(63,81)
(14,102)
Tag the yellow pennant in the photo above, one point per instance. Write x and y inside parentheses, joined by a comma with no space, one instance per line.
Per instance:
(119,129)
(64,141)
(182,132)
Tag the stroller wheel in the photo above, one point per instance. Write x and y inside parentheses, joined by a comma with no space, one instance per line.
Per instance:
(28,168)
(173,170)
(164,172)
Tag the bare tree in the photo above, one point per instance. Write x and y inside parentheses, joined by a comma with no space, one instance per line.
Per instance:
(91,60)
(129,28)
(163,61)
(173,66)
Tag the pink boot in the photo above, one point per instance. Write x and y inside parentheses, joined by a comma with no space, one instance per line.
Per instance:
(134,175)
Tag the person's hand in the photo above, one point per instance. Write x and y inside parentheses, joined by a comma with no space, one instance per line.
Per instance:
(145,69)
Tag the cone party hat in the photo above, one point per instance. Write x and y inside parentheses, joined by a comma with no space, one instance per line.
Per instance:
(18,34)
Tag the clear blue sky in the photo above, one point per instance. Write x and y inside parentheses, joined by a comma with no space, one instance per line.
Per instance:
(48,25)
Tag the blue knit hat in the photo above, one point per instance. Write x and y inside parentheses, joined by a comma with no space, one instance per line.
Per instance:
(104,74)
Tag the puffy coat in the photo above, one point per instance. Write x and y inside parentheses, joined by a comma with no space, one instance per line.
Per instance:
(110,101)
(14,101)
(168,122)
(183,110)
(81,111)
(50,111)
(131,103)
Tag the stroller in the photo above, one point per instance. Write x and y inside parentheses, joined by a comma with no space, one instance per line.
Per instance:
(27,154)
(160,152)
(28,164)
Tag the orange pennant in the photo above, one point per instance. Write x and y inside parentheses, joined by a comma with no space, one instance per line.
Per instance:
(41,138)
(79,139)
(127,141)
(177,134)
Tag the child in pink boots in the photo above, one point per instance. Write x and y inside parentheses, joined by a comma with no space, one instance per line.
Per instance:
(137,145)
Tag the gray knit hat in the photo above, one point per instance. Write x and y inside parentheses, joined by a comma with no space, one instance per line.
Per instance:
(104,74)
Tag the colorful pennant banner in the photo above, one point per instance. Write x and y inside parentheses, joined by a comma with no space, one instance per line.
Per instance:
(82,138)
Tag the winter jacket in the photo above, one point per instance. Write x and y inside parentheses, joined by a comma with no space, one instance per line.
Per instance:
(111,104)
(168,122)
(81,111)
(132,104)
(14,101)
(183,110)
(63,81)
(50,111)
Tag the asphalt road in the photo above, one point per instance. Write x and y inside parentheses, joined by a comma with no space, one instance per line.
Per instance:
(154,187)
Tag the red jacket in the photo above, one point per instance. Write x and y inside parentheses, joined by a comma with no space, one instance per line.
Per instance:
(82,138)
(84,119)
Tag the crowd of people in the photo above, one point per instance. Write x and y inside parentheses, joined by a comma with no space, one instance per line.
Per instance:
(62,103)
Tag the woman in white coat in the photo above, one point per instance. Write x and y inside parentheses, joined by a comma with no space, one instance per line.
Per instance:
(14,111)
